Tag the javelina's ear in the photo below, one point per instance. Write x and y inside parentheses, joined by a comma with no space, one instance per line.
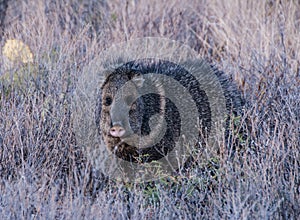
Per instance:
(138,80)
(107,74)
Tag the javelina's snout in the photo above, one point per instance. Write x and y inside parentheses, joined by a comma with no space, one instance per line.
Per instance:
(117,130)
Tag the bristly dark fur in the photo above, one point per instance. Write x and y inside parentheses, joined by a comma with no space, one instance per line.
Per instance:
(150,104)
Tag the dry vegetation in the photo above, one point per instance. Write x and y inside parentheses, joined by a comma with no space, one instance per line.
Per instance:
(44,175)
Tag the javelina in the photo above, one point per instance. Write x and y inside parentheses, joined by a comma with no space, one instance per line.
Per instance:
(138,117)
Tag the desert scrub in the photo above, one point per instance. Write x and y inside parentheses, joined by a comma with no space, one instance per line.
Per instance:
(261,184)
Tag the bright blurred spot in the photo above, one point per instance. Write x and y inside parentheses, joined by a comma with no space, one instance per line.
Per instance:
(16,50)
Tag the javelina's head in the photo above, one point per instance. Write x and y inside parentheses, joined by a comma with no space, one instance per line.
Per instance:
(121,107)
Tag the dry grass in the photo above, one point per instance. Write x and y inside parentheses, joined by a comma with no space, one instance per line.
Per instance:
(44,174)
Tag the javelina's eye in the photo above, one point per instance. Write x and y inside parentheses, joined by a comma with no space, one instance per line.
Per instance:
(132,108)
(108,101)
(131,111)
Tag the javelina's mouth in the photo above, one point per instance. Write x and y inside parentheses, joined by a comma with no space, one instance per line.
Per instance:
(113,137)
